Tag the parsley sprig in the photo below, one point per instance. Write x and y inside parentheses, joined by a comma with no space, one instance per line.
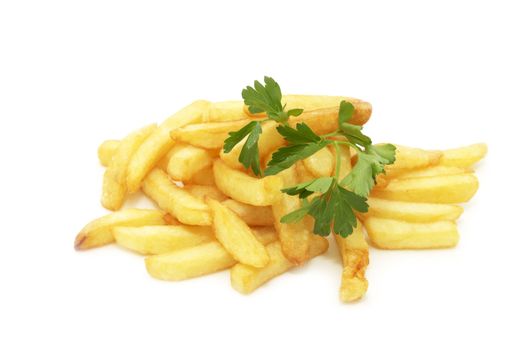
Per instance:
(330,201)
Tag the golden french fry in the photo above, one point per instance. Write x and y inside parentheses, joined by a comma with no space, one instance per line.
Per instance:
(107,150)
(438,170)
(396,234)
(464,157)
(245,278)
(438,189)
(207,135)
(321,163)
(236,237)
(99,231)
(203,191)
(252,215)
(160,142)
(411,158)
(245,188)
(114,180)
(225,111)
(175,200)
(355,258)
(149,240)
(294,237)
(186,161)
(265,234)
(197,261)
(304,175)
(314,102)
(413,212)
(203,177)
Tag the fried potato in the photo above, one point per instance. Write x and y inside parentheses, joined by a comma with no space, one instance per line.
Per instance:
(438,170)
(107,150)
(355,258)
(149,240)
(413,212)
(304,175)
(252,215)
(245,188)
(114,180)
(464,157)
(245,279)
(438,189)
(99,231)
(203,191)
(295,236)
(412,158)
(203,177)
(160,142)
(186,161)
(197,261)
(236,236)
(207,135)
(321,163)
(396,234)
(313,102)
(175,200)
(225,111)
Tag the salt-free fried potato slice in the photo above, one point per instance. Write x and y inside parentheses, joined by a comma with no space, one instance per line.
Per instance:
(203,191)
(438,189)
(160,142)
(176,200)
(396,234)
(245,188)
(200,260)
(207,135)
(225,111)
(114,180)
(245,279)
(437,170)
(314,102)
(321,163)
(252,215)
(186,161)
(295,236)
(464,157)
(413,212)
(149,240)
(203,177)
(355,258)
(411,158)
(236,236)
(106,151)
(99,231)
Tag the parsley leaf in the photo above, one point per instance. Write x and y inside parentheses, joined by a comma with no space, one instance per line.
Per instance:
(306,189)
(249,155)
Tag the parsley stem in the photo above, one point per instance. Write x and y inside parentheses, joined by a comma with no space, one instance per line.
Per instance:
(337,155)
(335,133)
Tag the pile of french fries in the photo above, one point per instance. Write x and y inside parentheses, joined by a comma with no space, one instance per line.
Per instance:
(214,215)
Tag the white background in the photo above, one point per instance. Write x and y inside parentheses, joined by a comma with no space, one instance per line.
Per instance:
(73,74)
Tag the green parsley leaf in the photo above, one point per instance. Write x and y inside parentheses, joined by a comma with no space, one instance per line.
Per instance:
(354,134)
(264,98)
(306,189)
(249,155)
(346,110)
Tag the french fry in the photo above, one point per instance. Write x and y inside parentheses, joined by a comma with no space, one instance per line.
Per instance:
(321,163)
(175,200)
(464,157)
(413,212)
(106,151)
(203,191)
(294,237)
(245,188)
(396,234)
(197,261)
(186,161)
(245,279)
(437,170)
(236,237)
(439,189)
(160,142)
(149,240)
(114,180)
(252,215)
(225,111)
(99,232)
(355,258)
(304,175)
(203,177)
(207,135)
(313,102)
(411,158)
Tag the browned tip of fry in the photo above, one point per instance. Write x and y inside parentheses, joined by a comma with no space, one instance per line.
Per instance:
(170,220)
(362,113)
(79,240)
(353,287)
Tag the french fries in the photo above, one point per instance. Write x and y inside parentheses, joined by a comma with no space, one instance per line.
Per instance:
(252,215)
(412,212)
(186,161)
(245,279)
(355,259)
(206,135)
(99,232)
(114,181)
(160,142)
(438,189)
(149,240)
(106,151)
(395,234)
(321,163)
(412,158)
(203,191)
(175,200)
(245,188)
(236,236)
(464,157)
(225,111)
(438,170)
